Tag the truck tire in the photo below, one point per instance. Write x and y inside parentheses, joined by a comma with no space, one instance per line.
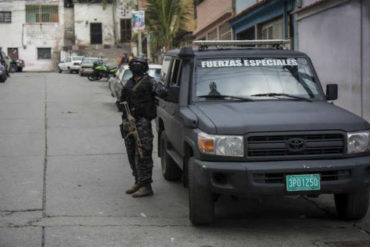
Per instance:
(59,70)
(3,78)
(352,206)
(170,170)
(201,200)
(13,68)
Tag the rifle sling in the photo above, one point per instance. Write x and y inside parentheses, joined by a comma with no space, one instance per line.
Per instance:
(138,83)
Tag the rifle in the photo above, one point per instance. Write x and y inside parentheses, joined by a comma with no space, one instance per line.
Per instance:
(131,129)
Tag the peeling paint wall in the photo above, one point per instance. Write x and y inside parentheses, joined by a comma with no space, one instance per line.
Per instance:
(338,41)
(85,14)
(28,37)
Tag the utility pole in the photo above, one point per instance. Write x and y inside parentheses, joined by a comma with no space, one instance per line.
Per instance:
(139,45)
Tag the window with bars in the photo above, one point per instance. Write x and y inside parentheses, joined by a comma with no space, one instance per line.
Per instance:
(225,32)
(41,13)
(5,17)
(213,34)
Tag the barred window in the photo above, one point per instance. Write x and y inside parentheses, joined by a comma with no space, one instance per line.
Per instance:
(5,17)
(225,32)
(213,35)
(43,53)
(41,13)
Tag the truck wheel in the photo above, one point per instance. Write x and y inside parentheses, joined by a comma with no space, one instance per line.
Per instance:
(201,203)
(13,68)
(352,206)
(170,170)
(3,78)
(20,69)
(59,70)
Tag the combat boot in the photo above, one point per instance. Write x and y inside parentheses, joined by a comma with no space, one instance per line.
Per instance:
(145,190)
(133,189)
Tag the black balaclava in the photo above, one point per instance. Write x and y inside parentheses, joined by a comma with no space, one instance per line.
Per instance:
(137,69)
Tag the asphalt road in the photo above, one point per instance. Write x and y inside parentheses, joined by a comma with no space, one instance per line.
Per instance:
(63,173)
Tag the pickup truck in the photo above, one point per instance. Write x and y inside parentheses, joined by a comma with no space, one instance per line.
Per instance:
(254,122)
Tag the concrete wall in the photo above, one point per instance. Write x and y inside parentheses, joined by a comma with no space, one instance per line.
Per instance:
(209,10)
(241,5)
(92,13)
(28,37)
(366,58)
(337,40)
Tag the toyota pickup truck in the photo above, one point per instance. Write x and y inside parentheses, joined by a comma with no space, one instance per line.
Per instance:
(254,122)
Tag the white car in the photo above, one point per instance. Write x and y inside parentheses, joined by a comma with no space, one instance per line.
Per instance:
(72,64)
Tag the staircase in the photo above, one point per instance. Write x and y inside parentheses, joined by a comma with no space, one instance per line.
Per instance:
(108,53)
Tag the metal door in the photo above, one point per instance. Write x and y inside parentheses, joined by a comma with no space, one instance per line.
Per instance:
(125,30)
(96,33)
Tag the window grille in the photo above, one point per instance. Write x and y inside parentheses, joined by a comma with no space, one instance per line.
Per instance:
(225,32)
(5,17)
(41,13)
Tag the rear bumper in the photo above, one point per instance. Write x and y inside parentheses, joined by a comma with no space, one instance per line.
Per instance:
(268,178)
(75,67)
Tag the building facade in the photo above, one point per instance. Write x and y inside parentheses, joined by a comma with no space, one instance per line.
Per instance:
(263,19)
(212,19)
(44,32)
(336,35)
(34,31)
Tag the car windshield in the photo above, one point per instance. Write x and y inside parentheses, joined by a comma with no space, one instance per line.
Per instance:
(278,78)
(89,61)
(155,73)
(77,58)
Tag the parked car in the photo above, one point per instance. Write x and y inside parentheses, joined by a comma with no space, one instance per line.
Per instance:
(3,74)
(4,60)
(72,64)
(256,122)
(115,80)
(125,74)
(87,65)
(16,65)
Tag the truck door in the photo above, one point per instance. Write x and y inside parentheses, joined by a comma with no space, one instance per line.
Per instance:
(175,129)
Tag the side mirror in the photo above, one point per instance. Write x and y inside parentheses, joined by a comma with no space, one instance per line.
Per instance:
(331,91)
(173,94)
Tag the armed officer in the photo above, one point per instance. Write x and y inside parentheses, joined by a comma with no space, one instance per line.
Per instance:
(139,92)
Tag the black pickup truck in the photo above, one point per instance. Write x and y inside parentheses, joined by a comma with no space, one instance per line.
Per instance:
(256,122)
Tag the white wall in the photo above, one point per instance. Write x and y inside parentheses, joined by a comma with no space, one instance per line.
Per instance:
(93,13)
(333,38)
(28,37)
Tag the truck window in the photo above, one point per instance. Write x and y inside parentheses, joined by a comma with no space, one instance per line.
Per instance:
(247,77)
(165,66)
(176,73)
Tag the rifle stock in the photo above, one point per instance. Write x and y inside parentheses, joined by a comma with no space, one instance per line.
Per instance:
(132,129)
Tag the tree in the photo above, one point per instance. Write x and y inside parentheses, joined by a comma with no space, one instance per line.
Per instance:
(166,18)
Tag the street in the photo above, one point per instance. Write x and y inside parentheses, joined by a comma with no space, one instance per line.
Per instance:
(64,172)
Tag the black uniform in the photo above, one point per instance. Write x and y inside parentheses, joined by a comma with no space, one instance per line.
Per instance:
(140,96)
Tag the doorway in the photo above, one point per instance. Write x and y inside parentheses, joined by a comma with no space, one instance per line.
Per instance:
(125,30)
(96,36)
(13,53)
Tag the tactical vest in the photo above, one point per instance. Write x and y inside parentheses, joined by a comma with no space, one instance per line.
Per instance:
(140,98)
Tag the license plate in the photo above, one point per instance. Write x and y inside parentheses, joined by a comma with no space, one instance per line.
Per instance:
(304,182)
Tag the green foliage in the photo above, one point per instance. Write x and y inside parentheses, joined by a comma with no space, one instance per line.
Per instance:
(165,19)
